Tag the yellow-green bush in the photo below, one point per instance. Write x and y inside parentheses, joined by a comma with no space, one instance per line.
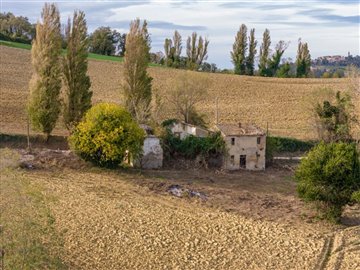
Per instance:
(106,134)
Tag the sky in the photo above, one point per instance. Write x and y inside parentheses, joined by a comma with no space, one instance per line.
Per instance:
(330,27)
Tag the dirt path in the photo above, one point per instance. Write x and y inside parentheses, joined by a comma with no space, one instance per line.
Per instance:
(111,224)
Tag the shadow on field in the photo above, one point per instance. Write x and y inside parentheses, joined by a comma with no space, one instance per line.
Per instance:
(19,141)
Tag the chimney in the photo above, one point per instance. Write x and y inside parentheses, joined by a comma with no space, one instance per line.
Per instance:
(239,124)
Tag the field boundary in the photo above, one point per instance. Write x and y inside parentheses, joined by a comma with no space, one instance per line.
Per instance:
(36,141)
(91,56)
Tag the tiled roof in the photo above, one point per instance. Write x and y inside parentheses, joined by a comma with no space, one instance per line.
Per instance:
(240,130)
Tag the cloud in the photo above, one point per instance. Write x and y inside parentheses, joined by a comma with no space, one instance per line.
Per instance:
(173,26)
(335,22)
(96,11)
(124,24)
(277,6)
(341,2)
(341,19)
(237,5)
(327,15)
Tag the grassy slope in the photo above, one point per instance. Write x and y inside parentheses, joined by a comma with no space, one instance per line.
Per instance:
(92,56)
(28,236)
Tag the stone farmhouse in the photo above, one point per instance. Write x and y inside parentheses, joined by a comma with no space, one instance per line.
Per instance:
(246,145)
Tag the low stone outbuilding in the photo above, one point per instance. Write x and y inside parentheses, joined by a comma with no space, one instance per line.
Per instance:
(182,130)
(153,155)
(246,145)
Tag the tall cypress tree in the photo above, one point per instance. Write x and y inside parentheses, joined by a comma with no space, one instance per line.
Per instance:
(250,59)
(45,84)
(137,82)
(77,82)
(264,54)
(239,50)
(303,60)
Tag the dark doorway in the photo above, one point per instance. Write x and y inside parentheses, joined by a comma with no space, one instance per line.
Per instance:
(243,161)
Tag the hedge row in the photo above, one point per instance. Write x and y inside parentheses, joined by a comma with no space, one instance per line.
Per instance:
(283,144)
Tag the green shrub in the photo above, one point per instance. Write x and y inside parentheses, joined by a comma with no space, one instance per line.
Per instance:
(167,123)
(283,144)
(329,175)
(271,147)
(105,134)
(355,197)
(192,146)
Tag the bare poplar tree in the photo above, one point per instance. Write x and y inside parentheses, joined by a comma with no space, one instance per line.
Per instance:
(239,50)
(77,82)
(177,44)
(137,82)
(173,50)
(196,51)
(250,59)
(45,84)
(189,90)
(264,54)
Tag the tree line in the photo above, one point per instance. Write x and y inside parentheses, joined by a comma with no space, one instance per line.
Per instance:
(103,40)
(16,28)
(52,71)
(196,52)
(244,52)
(243,55)
(107,41)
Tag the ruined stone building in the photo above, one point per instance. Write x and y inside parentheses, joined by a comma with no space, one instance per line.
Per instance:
(152,157)
(246,145)
(182,130)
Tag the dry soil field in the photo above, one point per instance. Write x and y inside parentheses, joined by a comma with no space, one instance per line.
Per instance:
(88,218)
(282,103)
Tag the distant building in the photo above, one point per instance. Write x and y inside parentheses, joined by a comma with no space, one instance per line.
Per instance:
(182,130)
(246,146)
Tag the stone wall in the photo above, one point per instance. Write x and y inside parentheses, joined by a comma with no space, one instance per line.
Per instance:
(152,153)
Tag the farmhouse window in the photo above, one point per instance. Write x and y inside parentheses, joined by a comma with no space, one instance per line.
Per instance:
(232,160)
(243,161)
(258,140)
(232,141)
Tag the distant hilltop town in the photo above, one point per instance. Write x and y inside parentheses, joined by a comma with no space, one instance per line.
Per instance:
(337,60)
(331,58)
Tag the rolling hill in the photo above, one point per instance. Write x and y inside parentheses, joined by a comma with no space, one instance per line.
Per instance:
(281,104)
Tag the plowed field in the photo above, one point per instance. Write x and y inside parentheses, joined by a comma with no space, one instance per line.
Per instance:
(282,104)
